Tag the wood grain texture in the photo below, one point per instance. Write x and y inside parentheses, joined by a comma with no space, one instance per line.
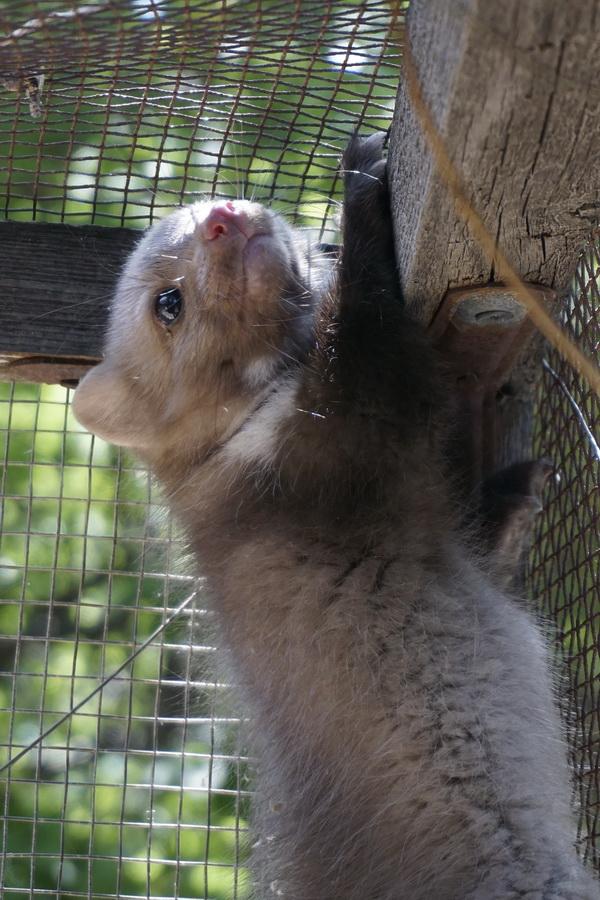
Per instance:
(514,88)
(57,281)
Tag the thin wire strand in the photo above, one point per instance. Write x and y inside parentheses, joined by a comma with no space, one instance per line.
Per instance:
(74,709)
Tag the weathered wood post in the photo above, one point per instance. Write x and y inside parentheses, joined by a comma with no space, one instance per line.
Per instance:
(514,89)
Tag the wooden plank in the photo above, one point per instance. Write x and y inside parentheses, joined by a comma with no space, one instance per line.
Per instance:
(57,284)
(514,87)
(57,281)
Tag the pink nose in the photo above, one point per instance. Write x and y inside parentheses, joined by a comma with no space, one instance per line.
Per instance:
(222,219)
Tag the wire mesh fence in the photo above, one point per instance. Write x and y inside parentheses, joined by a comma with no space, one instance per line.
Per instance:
(564,573)
(130,796)
(112,113)
(146,104)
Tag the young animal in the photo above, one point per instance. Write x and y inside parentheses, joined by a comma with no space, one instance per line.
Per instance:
(404,722)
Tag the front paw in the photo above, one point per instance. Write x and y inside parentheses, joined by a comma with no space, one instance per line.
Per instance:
(363,165)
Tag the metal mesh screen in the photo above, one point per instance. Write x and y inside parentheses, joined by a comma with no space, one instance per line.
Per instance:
(564,564)
(147,103)
(133,781)
(144,104)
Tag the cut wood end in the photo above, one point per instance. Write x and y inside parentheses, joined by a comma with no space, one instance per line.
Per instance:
(67,371)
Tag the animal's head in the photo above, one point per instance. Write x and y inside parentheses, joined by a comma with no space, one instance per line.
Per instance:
(216,298)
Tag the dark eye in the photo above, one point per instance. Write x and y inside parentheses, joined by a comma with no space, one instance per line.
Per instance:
(168,306)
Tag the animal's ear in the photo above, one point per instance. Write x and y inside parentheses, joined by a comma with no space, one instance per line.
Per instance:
(106,405)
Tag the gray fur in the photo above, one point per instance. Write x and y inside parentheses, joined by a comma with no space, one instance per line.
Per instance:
(403,713)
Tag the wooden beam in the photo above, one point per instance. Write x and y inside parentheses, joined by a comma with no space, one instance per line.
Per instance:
(514,88)
(57,281)
(57,284)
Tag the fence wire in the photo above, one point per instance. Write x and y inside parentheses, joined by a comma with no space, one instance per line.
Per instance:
(564,573)
(145,104)
(142,792)
(113,113)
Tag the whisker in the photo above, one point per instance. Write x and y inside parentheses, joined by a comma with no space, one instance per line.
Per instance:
(58,309)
